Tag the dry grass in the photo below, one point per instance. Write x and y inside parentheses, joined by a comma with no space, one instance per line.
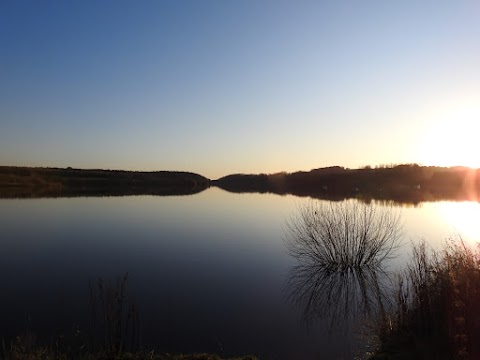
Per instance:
(437,306)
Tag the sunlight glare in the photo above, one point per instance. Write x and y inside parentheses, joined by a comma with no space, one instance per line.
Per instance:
(452,140)
(463,218)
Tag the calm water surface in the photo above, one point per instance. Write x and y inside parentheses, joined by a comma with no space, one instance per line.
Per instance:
(207,272)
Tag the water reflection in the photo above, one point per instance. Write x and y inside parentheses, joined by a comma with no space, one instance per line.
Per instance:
(338,297)
(341,251)
(463,218)
(204,270)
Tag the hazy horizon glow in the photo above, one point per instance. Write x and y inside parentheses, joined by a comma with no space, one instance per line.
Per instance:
(219,87)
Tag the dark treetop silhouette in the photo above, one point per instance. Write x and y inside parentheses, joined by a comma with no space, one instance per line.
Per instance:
(408,183)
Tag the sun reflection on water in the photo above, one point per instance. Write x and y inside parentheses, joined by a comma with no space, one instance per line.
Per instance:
(463,217)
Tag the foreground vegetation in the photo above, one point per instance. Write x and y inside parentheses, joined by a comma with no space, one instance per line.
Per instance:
(437,313)
(114,334)
(429,311)
(20,352)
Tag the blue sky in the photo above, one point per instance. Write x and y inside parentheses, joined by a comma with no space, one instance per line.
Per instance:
(219,87)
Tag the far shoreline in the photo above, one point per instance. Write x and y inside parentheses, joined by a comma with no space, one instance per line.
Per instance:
(402,184)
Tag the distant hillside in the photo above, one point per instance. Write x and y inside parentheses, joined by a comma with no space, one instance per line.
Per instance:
(53,182)
(409,183)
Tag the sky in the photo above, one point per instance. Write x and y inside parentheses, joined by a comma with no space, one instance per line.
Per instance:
(222,87)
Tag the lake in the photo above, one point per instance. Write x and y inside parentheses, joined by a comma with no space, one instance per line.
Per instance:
(206,272)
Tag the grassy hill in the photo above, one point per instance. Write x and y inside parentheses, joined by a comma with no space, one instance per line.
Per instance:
(53,182)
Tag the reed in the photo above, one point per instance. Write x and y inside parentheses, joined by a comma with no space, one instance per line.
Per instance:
(436,313)
(115,318)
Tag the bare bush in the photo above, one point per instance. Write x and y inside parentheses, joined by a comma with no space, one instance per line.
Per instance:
(343,235)
(341,249)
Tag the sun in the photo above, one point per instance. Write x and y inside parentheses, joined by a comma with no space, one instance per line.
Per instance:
(453,139)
